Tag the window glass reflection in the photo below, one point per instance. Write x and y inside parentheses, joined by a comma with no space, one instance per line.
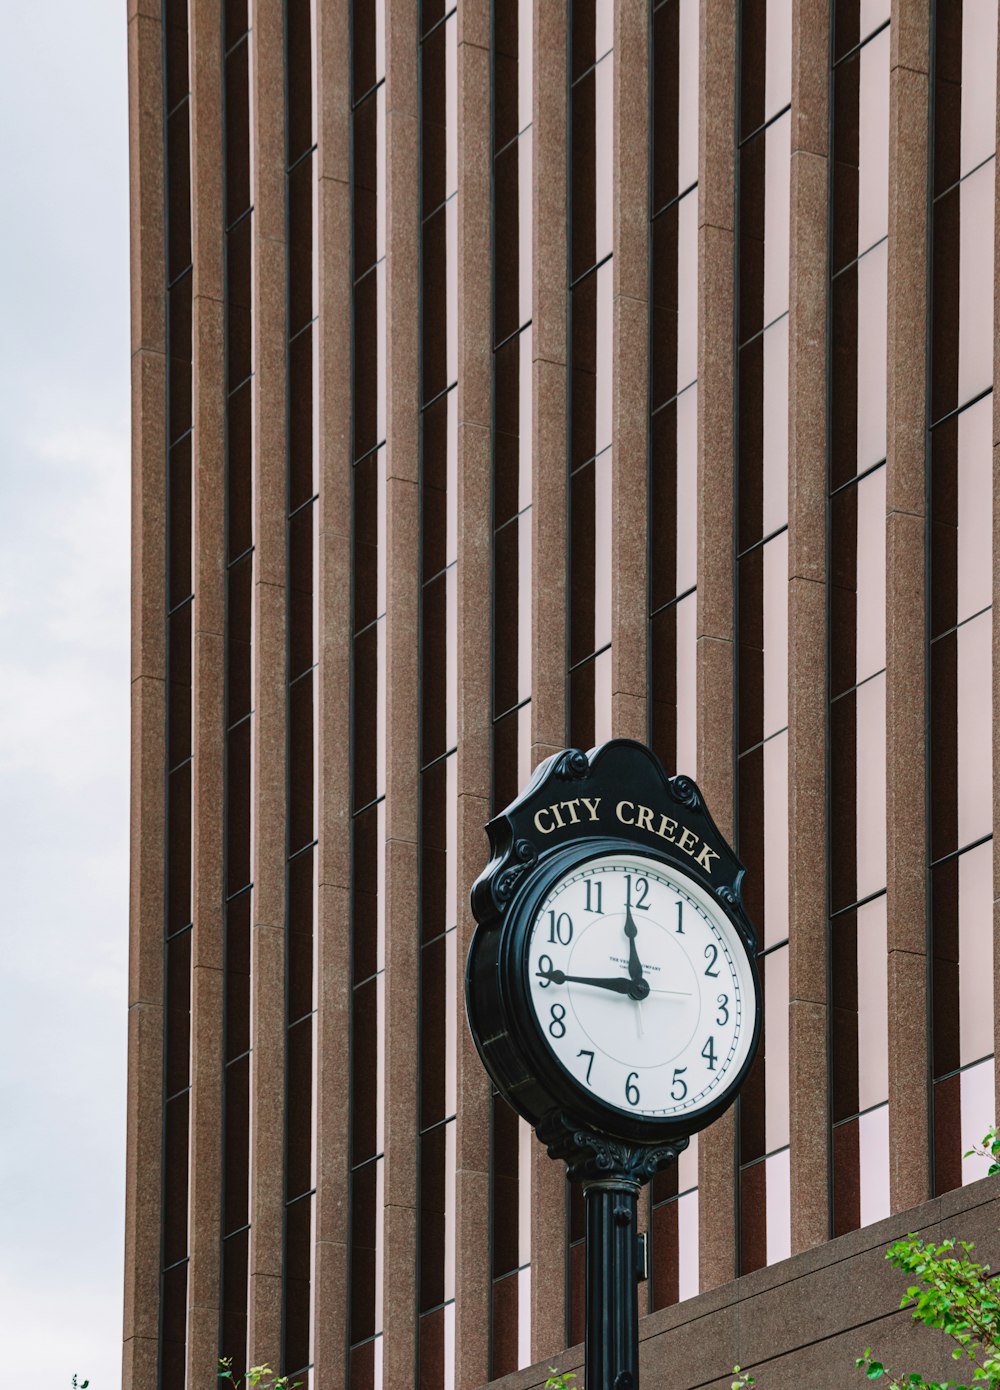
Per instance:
(961,516)
(673,657)
(764,225)
(965,44)
(674,308)
(763,434)
(961,727)
(857,20)
(675,100)
(963,292)
(766,33)
(861,151)
(673,498)
(857,582)
(873,1163)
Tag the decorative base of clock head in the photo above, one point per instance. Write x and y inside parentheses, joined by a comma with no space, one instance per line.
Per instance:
(591,1156)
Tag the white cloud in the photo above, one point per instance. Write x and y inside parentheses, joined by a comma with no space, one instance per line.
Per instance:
(64,689)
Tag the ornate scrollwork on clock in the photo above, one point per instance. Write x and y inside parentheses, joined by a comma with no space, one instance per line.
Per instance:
(590,1156)
(685,792)
(526,857)
(574,763)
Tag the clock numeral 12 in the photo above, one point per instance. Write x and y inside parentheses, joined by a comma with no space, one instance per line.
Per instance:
(585,1053)
(560,929)
(593,899)
(642,890)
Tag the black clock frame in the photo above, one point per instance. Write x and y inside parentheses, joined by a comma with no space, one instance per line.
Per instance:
(511,1040)
(505,901)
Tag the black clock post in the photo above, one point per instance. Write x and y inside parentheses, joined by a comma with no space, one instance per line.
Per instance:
(612,1175)
(611,892)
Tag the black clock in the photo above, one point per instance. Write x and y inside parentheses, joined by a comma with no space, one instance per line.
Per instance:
(612,986)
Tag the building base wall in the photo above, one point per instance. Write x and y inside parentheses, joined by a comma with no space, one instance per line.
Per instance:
(803,1322)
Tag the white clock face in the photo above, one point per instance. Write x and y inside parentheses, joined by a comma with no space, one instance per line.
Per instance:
(641,987)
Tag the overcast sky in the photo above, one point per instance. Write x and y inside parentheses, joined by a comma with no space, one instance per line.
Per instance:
(64,669)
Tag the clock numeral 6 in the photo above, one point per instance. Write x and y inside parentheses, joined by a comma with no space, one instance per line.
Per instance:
(711,955)
(556,1025)
(545,967)
(560,929)
(676,1094)
(631,1089)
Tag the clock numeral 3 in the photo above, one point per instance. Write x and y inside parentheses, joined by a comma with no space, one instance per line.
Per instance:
(723,1003)
(594,898)
(711,955)
(585,1053)
(708,1052)
(631,1089)
(679,1081)
(556,1025)
(560,929)
(545,967)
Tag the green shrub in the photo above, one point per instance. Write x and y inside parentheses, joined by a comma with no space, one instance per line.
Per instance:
(256,1378)
(953,1293)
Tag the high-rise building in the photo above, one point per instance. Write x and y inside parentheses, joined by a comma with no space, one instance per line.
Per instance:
(510,377)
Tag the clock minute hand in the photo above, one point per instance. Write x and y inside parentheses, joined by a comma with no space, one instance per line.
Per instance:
(637,989)
(634,963)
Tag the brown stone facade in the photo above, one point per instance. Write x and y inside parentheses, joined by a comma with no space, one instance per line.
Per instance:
(514,375)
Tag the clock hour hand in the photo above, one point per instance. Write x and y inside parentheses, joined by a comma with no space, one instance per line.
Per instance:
(634,963)
(636,989)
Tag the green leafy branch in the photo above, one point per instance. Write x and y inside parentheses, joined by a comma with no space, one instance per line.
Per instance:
(953,1293)
(256,1378)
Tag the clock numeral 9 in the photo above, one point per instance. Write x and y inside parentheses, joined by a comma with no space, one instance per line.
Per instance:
(560,929)
(631,1089)
(708,1052)
(679,1081)
(723,1003)
(545,967)
(556,1025)
(711,955)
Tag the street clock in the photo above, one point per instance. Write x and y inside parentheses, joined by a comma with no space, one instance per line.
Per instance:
(612,984)
(613,994)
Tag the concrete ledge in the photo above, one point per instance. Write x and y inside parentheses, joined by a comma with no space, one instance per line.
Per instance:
(805,1320)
